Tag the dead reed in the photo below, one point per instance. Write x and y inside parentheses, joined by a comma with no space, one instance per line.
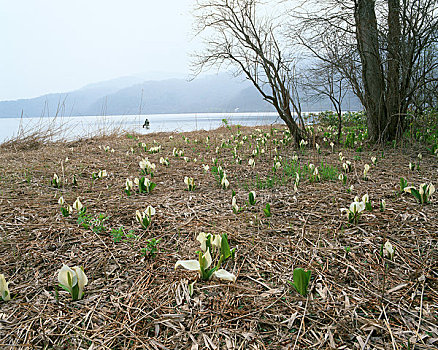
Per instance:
(136,302)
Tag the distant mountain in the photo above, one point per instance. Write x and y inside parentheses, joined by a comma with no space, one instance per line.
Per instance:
(138,94)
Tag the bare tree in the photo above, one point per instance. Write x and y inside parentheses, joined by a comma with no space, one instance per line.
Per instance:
(235,36)
(381,45)
(323,80)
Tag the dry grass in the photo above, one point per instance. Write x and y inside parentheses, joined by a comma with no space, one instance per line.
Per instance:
(133,302)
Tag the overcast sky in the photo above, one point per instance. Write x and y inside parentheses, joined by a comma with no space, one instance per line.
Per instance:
(61,45)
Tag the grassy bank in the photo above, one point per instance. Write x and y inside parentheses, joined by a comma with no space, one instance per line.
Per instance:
(135,298)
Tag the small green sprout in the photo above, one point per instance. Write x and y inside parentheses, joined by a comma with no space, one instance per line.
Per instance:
(252,198)
(151,248)
(301,280)
(267,210)
(403,184)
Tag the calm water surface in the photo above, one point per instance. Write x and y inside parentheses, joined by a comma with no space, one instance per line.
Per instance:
(77,127)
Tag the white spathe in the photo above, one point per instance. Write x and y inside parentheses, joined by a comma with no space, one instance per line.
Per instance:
(224,275)
(67,277)
(4,290)
(77,204)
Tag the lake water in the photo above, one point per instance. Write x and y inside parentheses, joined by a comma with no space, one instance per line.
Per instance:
(76,127)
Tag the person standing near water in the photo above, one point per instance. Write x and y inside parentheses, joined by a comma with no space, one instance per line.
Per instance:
(146,124)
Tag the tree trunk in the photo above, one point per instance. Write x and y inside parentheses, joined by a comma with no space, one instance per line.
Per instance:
(372,71)
(393,73)
(288,118)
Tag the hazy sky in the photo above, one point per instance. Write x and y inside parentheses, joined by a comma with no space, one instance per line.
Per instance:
(61,45)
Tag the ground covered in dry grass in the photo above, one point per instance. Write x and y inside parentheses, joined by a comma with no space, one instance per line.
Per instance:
(356,299)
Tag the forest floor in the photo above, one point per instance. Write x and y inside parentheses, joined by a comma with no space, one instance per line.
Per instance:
(357,298)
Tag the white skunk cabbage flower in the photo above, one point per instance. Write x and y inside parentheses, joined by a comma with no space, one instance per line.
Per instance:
(345,166)
(73,279)
(316,173)
(332,145)
(77,205)
(420,156)
(252,197)
(224,182)
(61,200)
(4,290)
(388,250)
(205,167)
(234,205)
(317,147)
(374,160)
(382,205)
(366,168)
(430,189)
(202,238)
(251,162)
(129,184)
(150,211)
(194,265)
(311,167)
(142,164)
(216,242)
(357,207)
(296,182)
(102,173)
(139,216)
(190,183)
(411,166)
(67,277)
(205,260)
(365,198)
(224,275)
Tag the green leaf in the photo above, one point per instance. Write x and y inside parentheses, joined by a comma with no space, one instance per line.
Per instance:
(251,198)
(145,223)
(65,288)
(225,247)
(403,184)
(152,186)
(267,210)
(233,253)
(416,194)
(206,274)
(65,212)
(301,280)
(75,292)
